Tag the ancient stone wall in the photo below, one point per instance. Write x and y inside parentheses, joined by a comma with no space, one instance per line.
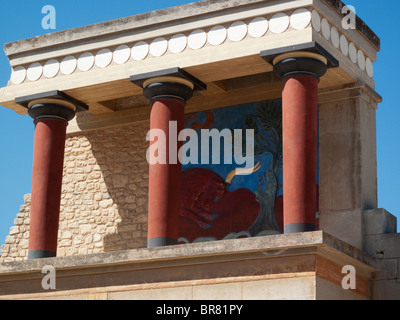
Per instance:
(104,198)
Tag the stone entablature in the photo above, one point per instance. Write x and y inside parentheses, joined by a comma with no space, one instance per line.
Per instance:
(66,60)
(196,40)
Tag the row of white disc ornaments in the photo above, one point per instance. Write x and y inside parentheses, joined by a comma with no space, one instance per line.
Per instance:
(197,39)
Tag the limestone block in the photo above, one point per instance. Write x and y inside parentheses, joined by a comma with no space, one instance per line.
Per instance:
(85,229)
(226,291)
(106,203)
(178,293)
(278,289)
(18,221)
(347,154)
(389,269)
(390,244)
(66,235)
(14,230)
(379,221)
(120,181)
(386,290)
(344,225)
(387,244)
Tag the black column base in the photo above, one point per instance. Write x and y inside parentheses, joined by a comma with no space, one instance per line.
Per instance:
(41,254)
(161,242)
(298,227)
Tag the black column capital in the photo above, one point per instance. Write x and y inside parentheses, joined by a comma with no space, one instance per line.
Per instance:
(299,63)
(172,83)
(307,58)
(51,105)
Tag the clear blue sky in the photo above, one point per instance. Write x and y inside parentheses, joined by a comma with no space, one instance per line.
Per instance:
(21,19)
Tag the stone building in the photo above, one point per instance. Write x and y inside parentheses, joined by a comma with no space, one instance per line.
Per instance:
(287,229)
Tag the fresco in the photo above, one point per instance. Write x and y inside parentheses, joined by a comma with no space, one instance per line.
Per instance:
(216,204)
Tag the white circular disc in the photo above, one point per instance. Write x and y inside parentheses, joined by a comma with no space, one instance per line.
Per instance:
(197,39)
(300,19)
(326,29)
(51,68)
(158,47)
(316,20)
(344,45)
(177,43)
(353,52)
(258,27)
(361,60)
(237,31)
(86,61)
(121,54)
(35,71)
(68,65)
(369,67)
(217,35)
(103,58)
(335,38)
(140,50)
(279,23)
(18,75)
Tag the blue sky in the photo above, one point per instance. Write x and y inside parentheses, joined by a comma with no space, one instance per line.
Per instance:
(22,19)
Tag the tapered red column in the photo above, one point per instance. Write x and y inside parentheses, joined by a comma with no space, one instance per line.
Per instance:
(168,92)
(46,187)
(51,120)
(51,112)
(165,179)
(300,73)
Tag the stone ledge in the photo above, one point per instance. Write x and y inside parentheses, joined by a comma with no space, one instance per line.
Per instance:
(275,245)
(379,221)
(264,263)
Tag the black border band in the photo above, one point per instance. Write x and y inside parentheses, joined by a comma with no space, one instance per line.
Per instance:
(298,227)
(41,254)
(161,242)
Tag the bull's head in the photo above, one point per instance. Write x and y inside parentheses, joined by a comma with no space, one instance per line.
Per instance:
(218,188)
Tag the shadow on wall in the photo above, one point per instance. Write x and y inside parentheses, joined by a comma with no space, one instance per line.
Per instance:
(106,189)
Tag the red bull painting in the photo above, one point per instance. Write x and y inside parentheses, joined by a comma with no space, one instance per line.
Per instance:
(226,200)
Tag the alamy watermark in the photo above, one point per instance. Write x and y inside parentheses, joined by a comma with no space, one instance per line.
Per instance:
(49,280)
(350,20)
(208,142)
(350,280)
(49,20)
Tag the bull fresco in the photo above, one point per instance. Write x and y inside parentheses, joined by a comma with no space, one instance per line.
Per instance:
(218,203)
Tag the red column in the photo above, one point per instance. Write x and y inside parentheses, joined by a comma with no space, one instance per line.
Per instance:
(51,120)
(300,75)
(48,159)
(165,179)
(168,90)
(299,124)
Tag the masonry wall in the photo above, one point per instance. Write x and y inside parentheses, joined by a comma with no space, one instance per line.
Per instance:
(104,196)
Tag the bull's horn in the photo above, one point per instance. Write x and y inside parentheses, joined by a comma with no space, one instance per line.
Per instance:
(242,171)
